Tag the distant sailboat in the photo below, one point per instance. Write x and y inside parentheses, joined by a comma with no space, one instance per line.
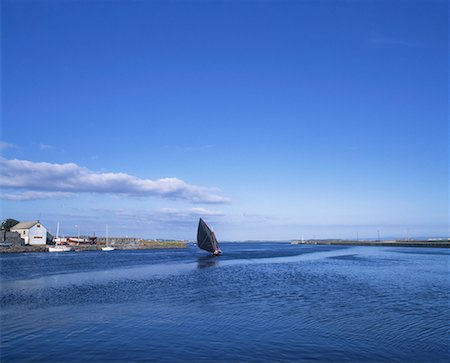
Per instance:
(107,248)
(206,240)
(296,242)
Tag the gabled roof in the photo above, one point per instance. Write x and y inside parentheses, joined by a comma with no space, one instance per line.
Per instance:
(24,225)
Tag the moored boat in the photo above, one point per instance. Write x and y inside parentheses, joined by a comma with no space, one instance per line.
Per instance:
(60,243)
(59,248)
(107,247)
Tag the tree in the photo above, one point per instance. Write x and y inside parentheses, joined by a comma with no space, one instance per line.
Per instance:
(7,224)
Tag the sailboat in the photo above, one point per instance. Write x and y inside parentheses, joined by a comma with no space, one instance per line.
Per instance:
(107,248)
(59,246)
(206,240)
(296,242)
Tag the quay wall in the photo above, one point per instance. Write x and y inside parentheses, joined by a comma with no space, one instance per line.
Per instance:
(138,245)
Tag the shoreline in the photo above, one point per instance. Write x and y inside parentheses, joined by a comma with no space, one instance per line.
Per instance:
(151,245)
(413,243)
(144,245)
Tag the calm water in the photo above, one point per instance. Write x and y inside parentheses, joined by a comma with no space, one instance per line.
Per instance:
(259,302)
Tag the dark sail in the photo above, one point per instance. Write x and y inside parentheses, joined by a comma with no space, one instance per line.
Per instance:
(205,237)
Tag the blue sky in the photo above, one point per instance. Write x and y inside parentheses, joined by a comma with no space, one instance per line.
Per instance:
(270,119)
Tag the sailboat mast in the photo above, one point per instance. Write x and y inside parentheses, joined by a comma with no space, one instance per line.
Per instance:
(57,230)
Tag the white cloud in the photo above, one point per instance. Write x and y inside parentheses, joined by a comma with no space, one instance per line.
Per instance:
(72,178)
(31,195)
(205,212)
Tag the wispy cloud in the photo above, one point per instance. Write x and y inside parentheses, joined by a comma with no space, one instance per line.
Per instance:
(45,147)
(6,145)
(168,219)
(145,223)
(32,195)
(159,214)
(204,212)
(71,178)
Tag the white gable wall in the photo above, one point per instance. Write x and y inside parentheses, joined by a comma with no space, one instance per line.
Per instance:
(36,235)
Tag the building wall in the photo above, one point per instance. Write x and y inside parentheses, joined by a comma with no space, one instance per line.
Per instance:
(37,235)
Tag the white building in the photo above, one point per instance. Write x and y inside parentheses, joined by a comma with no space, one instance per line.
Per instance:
(33,233)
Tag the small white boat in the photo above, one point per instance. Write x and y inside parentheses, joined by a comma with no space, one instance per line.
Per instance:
(59,248)
(296,242)
(107,248)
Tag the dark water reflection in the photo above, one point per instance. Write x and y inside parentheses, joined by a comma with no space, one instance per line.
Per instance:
(258,302)
(207,261)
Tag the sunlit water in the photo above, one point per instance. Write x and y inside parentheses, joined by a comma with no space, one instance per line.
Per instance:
(259,302)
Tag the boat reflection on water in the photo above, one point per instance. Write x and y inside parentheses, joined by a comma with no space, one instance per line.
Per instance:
(206,261)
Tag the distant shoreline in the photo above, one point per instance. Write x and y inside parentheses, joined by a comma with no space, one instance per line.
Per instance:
(396,243)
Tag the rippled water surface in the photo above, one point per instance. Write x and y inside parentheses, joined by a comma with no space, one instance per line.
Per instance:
(258,302)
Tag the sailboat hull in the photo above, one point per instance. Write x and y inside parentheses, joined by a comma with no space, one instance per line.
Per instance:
(59,248)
